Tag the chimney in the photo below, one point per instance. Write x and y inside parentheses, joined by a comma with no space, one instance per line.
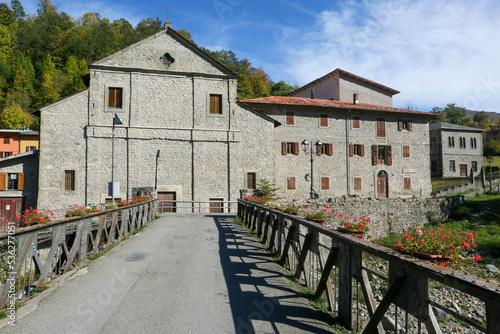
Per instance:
(355,98)
(312,93)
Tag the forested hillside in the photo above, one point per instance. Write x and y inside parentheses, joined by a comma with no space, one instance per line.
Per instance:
(43,57)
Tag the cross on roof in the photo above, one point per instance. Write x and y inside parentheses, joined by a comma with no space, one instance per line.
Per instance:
(167,8)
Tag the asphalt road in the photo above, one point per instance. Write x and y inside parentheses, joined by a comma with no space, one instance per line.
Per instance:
(183,274)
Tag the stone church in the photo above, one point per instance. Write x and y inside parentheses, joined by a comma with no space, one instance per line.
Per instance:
(183,135)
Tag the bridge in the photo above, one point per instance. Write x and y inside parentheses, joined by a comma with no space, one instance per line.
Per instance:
(203,273)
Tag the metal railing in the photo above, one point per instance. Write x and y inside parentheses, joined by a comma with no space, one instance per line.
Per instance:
(366,282)
(33,255)
(197,206)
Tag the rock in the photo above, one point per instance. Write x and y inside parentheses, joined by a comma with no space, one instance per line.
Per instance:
(455,306)
(388,323)
(491,268)
(441,315)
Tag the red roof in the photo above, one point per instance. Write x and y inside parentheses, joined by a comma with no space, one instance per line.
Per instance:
(302,101)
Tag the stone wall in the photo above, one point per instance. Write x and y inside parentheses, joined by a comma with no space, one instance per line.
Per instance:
(388,214)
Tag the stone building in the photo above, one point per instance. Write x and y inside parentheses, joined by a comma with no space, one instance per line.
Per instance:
(493,134)
(455,150)
(175,102)
(366,150)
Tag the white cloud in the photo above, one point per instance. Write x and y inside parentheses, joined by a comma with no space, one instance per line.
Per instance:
(434,52)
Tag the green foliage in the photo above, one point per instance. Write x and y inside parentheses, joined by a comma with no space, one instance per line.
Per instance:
(491,147)
(455,115)
(460,213)
(14,118)
(266,188)
(281,88)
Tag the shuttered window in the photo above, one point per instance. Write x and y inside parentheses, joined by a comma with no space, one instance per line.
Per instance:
(289,148)
(404,124)
(215,104)
(357,184)
(290,118)
(325,183)
(115,97)
(406,151)
(251,181)
(290,183)
(323,121)
(325,149)
(356,149)
(407,183)
(380,127)
(355,123)
(14,181)
(69,180)
(382,154)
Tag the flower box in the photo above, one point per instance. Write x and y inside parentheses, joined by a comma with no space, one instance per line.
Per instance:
(440,260)
(316,220)
(354,233)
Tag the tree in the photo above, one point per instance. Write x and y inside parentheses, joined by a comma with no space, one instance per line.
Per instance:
(148,27)
(455,115)
(17,10)
(491,147)
(281,88)
(14,118)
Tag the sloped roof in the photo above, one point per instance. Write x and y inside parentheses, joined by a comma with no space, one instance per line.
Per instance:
(302,101)
(450,126)
(350,75)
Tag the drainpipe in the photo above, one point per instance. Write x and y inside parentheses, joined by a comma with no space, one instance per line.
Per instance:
(348,161)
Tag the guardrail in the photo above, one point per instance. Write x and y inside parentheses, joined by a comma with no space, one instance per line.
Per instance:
(340,264)
(197,206)
(38,253)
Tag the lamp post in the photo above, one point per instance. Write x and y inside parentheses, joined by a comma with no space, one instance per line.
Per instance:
(116,121)
(309,146)
(156,173)
(490,161)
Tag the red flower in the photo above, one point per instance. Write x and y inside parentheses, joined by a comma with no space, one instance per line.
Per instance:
(399,246)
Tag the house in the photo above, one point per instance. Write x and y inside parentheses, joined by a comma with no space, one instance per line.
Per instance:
(183,135)
(455,150)
(362,149)
(13,142)
(493,134)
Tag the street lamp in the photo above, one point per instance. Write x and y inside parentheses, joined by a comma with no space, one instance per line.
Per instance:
(156,174)
(490,161)
(309,146)
(114,188)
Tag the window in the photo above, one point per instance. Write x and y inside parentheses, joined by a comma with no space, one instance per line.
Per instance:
(325,149)
(69,180)
(30,148)
(380,127)
(290,118)
(215,104)
(462,142)
(452,165)
(474,166)
(449,142)
(115,96)
(323,121)
(473,143)
(404,124)
(289,148)
(381,154)
(357,184)
(356,149)
(290,183)
(251,181)
(355,122)
(406,151)
(6,140)
(11,181)
(6,154)
(407,183)
(325,183)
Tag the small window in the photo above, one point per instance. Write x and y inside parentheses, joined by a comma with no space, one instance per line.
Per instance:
(323,121)
(69,180)
(251,181)
(404,125)
(452,165)
(12,180)
(6,154)
(357,149)
(406,151)
(474,166)
(290,183)
(407,183)
(325,183)
(357,184)
(115,97)
(289,148)
(380,127)
(6,140)
(355,123)
(381,154)
(475,143)
(290,118)
(325,149)
(30,148)
(215,104)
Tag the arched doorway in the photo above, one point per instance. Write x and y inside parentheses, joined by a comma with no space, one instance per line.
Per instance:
(382,184)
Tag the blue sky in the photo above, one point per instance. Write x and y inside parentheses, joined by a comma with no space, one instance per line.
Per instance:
(434,51)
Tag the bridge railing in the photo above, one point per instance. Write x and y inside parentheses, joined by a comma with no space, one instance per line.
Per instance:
(197,206)
(34,255)
(370,287)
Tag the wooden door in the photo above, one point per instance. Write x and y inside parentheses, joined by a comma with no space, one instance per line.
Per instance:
(216,205)
(463,170)
(167,206)
(382,181)
(11,207)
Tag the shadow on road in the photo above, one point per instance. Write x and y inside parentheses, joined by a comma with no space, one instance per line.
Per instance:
(261,299)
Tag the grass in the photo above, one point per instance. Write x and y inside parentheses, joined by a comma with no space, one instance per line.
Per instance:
(495,163)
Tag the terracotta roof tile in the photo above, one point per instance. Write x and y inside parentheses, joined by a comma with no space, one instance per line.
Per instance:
(302,101)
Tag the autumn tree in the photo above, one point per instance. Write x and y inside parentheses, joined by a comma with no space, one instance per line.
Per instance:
(14,118)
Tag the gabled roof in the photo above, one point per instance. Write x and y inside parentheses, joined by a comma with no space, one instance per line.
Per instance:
(455,127)
(350,75)
(302,101)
